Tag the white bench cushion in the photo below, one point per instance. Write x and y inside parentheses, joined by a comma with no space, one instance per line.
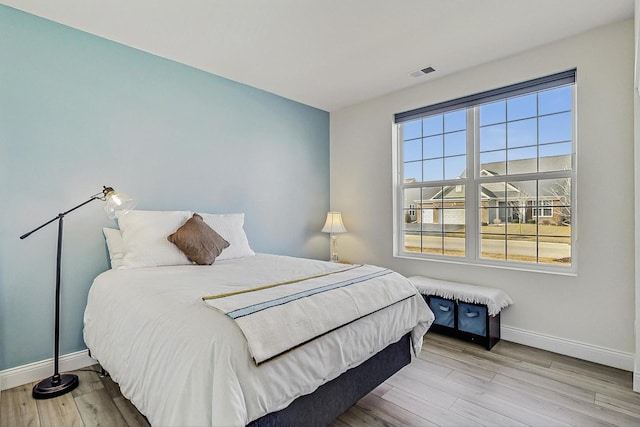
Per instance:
(495,299)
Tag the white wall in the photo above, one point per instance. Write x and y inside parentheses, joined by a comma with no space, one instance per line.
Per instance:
(592,312)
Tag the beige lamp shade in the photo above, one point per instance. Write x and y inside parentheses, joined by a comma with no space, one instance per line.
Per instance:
(334,223)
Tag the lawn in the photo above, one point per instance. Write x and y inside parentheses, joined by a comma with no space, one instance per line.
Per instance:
(551,246)
(527,232)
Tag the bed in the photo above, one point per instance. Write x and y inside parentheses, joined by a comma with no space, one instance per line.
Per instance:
(185,362)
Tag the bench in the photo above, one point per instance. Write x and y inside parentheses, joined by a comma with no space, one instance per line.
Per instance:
(464,311)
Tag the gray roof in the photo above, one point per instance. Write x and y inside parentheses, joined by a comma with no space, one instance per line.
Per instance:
(514,189)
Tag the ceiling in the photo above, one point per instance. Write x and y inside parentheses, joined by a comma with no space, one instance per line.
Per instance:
(331,53)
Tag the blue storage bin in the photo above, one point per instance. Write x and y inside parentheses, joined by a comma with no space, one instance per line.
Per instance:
(472,318)
(444,310)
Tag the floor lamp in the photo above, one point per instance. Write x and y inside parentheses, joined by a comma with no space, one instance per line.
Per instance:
(59,384)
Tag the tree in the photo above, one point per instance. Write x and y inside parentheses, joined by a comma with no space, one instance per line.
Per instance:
(560,190)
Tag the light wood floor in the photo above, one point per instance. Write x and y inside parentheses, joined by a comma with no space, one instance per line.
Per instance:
(452,383)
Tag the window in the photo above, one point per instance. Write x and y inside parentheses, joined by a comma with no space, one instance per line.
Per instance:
(488,178)
(545,208)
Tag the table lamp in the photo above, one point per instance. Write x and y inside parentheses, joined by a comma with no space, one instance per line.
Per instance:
(334,226)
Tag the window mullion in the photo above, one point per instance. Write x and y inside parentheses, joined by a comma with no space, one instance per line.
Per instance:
(471,192)
(398,205)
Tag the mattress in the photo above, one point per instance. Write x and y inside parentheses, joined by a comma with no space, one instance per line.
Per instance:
(183,363)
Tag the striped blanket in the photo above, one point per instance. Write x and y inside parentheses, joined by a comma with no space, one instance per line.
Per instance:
(278,317)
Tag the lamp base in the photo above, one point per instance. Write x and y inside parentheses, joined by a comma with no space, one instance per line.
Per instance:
(54,386)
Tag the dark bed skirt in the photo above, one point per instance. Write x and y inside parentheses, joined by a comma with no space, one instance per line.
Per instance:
(333,398)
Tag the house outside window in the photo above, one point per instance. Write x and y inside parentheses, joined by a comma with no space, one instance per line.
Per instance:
(490,178)
(544,209)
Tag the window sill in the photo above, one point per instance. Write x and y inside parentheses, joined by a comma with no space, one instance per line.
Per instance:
(568,271)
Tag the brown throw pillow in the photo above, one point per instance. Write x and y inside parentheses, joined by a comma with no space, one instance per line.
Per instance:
(199,242)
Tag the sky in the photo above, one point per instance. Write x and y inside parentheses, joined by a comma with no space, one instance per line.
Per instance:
(523,127)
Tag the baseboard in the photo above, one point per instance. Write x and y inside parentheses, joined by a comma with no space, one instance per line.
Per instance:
(25,374)
(592,353)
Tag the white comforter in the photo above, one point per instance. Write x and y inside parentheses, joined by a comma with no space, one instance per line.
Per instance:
(184,364)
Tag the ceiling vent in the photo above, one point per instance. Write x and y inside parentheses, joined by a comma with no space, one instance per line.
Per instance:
(422,72)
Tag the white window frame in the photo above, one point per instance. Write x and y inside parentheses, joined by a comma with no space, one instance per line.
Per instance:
(472,185)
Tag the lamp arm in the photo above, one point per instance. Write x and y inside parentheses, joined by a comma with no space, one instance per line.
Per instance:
(57,217)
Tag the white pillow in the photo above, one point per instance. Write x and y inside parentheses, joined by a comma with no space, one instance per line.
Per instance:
(230,227)
(144,234)
(115,246)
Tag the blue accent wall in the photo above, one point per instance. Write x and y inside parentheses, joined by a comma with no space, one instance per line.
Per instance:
(78,112)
